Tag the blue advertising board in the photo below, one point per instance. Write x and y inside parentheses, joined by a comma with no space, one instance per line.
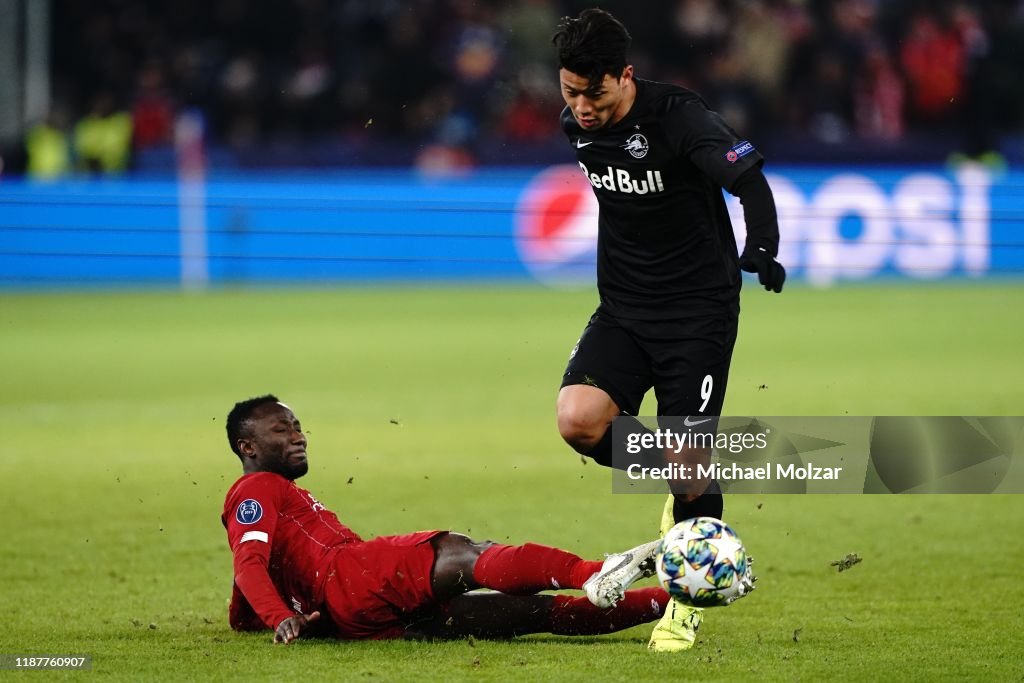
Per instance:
(837,224)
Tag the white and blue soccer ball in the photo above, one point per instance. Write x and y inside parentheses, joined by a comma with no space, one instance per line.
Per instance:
(703,563)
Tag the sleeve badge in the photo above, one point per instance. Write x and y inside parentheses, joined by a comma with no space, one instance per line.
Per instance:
(249,512)
(738,151)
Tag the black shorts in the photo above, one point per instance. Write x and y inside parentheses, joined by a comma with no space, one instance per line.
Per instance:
(686,362)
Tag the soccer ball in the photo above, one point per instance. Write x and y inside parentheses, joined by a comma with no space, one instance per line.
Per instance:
(703,563)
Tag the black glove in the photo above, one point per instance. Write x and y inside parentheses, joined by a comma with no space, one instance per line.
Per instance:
(770,272)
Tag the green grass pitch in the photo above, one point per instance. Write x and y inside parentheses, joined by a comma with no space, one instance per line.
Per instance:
(434,408)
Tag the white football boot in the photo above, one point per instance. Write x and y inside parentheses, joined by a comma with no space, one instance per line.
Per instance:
(619,571)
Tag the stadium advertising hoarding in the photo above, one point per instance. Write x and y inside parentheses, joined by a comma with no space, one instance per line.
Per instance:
(837,224)
(834,224)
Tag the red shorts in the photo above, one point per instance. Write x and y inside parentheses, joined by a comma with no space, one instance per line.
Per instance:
(373,585)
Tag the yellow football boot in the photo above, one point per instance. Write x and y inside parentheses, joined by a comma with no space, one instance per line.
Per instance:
(677,629)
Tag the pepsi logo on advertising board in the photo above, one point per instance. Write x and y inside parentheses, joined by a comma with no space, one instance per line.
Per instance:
(556,227)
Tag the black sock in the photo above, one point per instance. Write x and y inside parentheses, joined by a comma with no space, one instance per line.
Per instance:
(709,504)
(601,453)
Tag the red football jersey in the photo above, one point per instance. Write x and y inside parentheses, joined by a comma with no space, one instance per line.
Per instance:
(283,540)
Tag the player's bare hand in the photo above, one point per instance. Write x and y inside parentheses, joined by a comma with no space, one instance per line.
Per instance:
(293,627)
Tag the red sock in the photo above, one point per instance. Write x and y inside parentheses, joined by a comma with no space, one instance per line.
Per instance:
(530,568)
(578,617)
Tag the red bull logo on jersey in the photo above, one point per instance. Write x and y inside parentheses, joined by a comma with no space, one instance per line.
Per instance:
(621,180)
(556,227)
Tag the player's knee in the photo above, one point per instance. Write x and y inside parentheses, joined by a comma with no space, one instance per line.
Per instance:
(580,430)
(584,413)
(458,551)
(455,557)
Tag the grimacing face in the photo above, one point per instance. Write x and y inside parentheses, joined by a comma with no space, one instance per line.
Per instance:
(275,442)
(601,104)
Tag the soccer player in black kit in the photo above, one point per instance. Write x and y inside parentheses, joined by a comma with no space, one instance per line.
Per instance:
(668,272)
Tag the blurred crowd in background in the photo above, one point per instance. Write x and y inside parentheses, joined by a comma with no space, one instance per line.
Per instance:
(449,84)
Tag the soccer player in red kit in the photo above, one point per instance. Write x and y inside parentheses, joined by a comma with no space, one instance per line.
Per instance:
(298,570)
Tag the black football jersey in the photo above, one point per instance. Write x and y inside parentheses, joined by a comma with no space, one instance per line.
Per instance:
(665,245)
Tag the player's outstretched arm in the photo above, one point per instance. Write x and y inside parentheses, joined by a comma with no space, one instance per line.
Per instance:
(293,627)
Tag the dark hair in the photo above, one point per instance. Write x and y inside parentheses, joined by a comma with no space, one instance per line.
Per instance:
(240,414)
(592,45)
